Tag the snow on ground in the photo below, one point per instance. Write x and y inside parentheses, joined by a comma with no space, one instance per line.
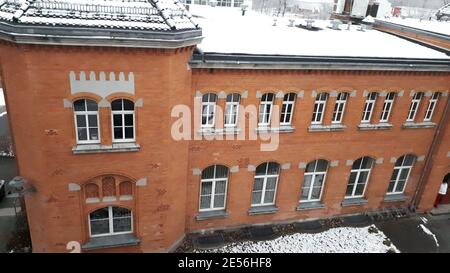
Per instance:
(442,27)
(227,31)
(427,231)
(2,99)
(336,240)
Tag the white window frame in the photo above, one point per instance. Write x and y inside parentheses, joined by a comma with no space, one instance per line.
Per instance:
(263,110)
(263,190)
(286,103)
(358,174)
(414,107)
(320,102)
(431,106)
(209,104)
(213,190)
(111,223)
(122,113)
(397,178)
(387,107)
(339,108)
(371,100)
(86,114)
(314,174)
(234,106)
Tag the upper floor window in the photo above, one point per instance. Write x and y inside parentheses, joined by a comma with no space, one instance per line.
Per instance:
(287,110)
(431,106)
(319,108)
(265,184)
(368,107)
(123,120)
(314,179)
(359,176)
(387,107)
(110,221)
(232,110)
(265,109)
(213,188)
(208,110)
(400,176)
(339,108)
(414,106)
(86,121)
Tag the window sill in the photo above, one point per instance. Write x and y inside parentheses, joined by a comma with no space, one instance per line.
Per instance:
(98,148)
(378,126)
(284,129)
(354,202)
(214,131)
(310,205)
(203,215)
(326,128)
(262,210)
(395,197)
(414,125)
(111,241)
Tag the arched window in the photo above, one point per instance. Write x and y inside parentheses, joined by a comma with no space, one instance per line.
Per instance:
(387,107)
(86,121)
(213,188)
(232,110)
(110,221)
(109,186)
(369,106)
(287,110)
(359,176)
(339,108)
(415,103)
(126,188)
(123,120)
(91,190)
(319,108)
(265,184)
(208,110)
(400,176)
(314,180)
(431,106)
(265,109)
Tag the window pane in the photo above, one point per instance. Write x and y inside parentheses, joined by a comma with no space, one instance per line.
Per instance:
(99,227)
(118,134)
(269,196)
(363,177)
(205,201)
(120,212)
(318,181)
(367,163)
(219,201)
(221,171)
(391,186)
(122,224)
(409,160)
(82,134)
(305,192)
(92,119)
(258,184)
(99,214)
(352,179)
(394,175)
(91,105)
(208,173)
(129,132)
(310,167)
(79,105)
(404,174)
(261,169)
(128,105)
(349,190)
(256,197)
(400,185)
(81,120)
(117,120)
(206,188)
(316,192)
(220,187)
(116,105)
(273,168)
(307,181)
(359,189)
(93,134)
(322,165)
(271,183)
(128,119)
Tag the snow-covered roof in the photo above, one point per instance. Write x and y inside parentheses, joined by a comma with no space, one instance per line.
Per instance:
(159,15)
(227,31)
(442,27)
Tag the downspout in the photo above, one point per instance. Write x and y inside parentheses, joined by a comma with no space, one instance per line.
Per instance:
(429,159)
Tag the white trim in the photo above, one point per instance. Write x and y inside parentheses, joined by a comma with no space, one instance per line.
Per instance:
(400,168)
(291,112)
(358,174)
(210,103)
(214,180)
(414,107)
(321,104)
(86,114)
(367,114)
(110,223)
(263,190)
(314,174)
(264,112)
(234,106)
(339,102)
(387,107)
(431,107)
(122,113)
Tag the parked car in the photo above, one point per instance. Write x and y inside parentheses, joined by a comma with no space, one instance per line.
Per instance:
(444,13)
(2,189)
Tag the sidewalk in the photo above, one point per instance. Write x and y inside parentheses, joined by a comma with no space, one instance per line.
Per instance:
(7,220)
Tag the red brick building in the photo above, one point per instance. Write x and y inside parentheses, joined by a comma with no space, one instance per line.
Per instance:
(95,96)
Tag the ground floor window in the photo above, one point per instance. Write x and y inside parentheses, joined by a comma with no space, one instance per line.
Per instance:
(110,221)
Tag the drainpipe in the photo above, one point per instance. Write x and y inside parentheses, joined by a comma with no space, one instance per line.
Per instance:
(428,160)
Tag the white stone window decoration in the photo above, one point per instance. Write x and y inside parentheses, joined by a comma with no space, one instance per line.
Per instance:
(415,103)
(339,108)
(213,188)
(287,109)
(359,176)
(232,110)
(319,108)
(208,110)
(314,180)
(110,221)
(265,109)
(86,121)
(368,107)
(265,184)
(431,106)
(401,173)
(123,120)
(387,107)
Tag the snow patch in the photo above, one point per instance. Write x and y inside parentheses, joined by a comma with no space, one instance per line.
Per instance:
(336,240)
(2,114)
(424,220)
(2,98)
(427,231)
